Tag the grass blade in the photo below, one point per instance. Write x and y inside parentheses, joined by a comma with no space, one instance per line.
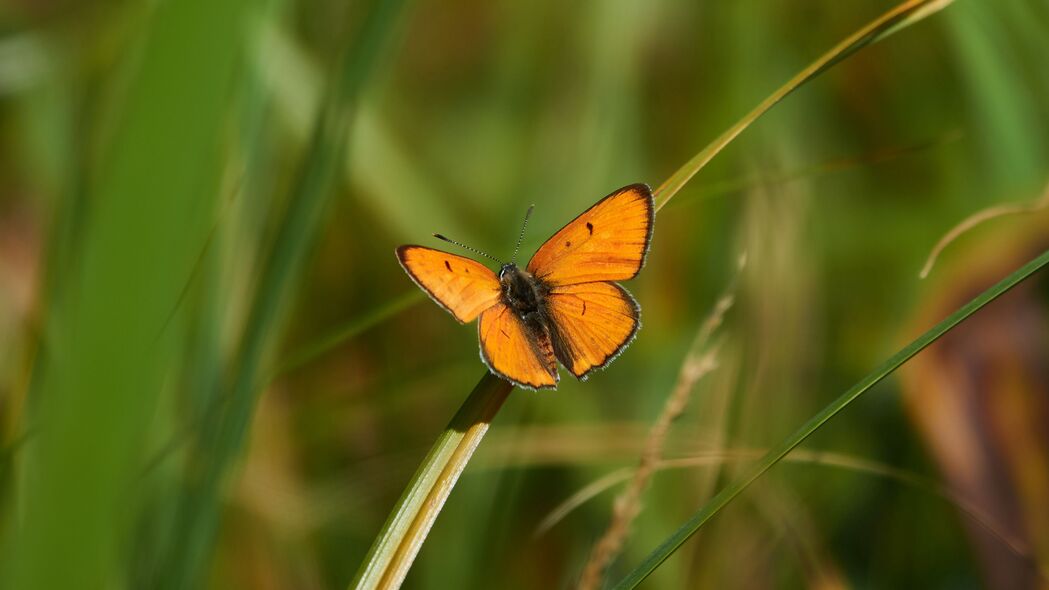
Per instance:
(898,18)
(403,534)
(108,348)
(775,454)
(352,328)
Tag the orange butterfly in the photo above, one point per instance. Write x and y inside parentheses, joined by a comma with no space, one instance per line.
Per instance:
(563,306)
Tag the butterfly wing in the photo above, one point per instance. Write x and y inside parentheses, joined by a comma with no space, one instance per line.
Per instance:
(513,351)
(462,286)
(608,242)
(592,324)
(592,319)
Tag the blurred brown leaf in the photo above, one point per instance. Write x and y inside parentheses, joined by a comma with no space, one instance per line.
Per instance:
(978,397)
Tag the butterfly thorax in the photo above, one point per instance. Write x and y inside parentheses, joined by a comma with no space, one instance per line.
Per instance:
(522,291)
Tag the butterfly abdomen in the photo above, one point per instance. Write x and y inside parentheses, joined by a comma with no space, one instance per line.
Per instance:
(525,295)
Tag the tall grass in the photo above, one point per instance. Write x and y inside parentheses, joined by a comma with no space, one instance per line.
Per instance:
(109,335)
(224,429)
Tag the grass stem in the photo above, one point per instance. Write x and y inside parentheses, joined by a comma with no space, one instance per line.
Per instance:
(403,534)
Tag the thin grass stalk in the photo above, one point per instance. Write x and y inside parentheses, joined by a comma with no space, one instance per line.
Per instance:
(775,454)
(328,342)
(892,21)
(900,17)
(627,505)
(700,360)
(813,171)
(978,218)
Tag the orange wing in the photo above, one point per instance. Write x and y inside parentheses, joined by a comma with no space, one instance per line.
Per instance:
(608,242)
(462,286)
(514,354)
(593,323)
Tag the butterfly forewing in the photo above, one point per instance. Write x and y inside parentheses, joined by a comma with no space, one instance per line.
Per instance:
(462,286)
(594,322)
(608,242)
(513,353)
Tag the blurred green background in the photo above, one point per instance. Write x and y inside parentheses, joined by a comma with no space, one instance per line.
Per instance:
(213,373)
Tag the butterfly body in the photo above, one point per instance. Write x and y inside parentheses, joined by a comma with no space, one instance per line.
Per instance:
(522,292)
(563,306)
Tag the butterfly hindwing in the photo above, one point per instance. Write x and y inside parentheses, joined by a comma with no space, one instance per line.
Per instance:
(593,322)
(514,351)
(462,286)
(608,242)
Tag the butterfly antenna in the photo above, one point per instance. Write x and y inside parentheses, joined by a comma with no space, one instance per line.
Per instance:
(465,247)
(520,238)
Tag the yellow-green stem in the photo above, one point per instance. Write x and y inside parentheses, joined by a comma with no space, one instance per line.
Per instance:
(403,534)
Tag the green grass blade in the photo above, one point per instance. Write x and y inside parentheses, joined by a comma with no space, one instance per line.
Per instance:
(108,351)
(775,454)
(898,18)
(403,534)
(352,328)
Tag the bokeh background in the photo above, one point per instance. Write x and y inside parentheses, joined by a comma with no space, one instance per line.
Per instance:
(214,374)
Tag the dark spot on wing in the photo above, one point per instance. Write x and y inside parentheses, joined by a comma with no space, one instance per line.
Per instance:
(448,266)
(504,332)
(590,228)
(568,244)
(584,308)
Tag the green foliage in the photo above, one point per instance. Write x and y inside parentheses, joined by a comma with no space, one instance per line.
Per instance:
(213,373)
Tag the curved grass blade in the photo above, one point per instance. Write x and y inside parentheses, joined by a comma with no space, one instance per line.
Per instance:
(898,18)
(977,219)
(775,454)
(403,534)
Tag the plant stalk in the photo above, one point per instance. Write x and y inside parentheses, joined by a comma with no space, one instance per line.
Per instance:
(403,534)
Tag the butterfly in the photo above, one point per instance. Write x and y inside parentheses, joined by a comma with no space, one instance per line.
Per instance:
(562,306)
